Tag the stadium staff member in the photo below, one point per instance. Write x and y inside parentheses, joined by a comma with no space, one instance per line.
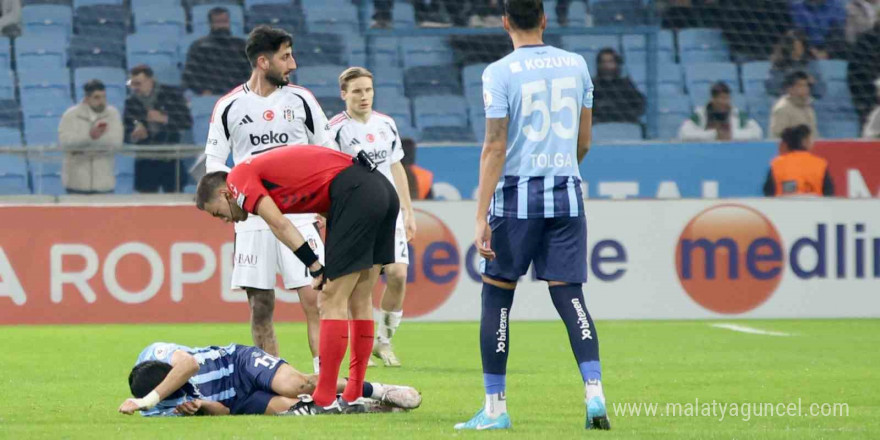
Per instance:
(263,113)
(796,171)
(175,380)
(361,207)
(359,128)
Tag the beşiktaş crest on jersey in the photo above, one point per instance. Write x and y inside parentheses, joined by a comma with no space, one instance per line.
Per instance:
(288,114)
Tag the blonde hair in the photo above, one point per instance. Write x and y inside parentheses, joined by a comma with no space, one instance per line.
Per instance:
(353,73)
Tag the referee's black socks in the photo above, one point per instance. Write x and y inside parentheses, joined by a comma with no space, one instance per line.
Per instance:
(569,302)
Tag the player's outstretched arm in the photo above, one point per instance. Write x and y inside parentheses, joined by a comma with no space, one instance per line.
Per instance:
(400,180)
(585,133)
(183,367)
(199,407)
(289,235)
(491,166)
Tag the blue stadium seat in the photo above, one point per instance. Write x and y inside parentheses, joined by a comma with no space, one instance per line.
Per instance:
(447,134)
(432,80)
(356,50)
(92,51)
(577,14)
(10,113)
(108,21)
(388,79)
(478,122)
(39,52)
(634,48)
(589,45)
(286,16)
(114,80)
(620,12)
(137,5)
(250,3)
(839,129)
(332,106)
(45,91)
(440,111)
(754,77)
(319,50)
(384,51)
(699,77)
(398,107)
(322,81)
(669,78)
(201,108)
(701,45)
(425,51)
(404,16)
(46,2)
(124,171)
(183,44)
(320,18)
(834,73)
(13,168)
(45,172)
(672,110)
(5,53)
(151,49)
(54,20)
(201,26)
(42,128)
(617,131)
(7,85)
(160,20)
(471,78)
(78,3)
(9,137)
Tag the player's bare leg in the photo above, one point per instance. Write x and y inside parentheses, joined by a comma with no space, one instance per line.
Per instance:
(262,304)
(308,298)
(391,312)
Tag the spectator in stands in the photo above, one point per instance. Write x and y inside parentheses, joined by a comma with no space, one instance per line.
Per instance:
(155,114)
(10,17)
(678,14)
(793,53)
(795,107)
(438,13)
(719,120)
(216,63)
(861,16)
(864,68)
(420,180)
(823,21)
(382,14)
(752,27)
(616,98)
(485,13)
(871,130)
(796,171)
(90,132)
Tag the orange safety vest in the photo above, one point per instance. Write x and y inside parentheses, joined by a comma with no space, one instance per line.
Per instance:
(798,172)
(424,180)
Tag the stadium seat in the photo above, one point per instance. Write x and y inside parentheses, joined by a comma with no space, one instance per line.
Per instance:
(137,5)
(183,44)
(45,170)
(160,20)
(45,20)
(10,114)
(78,3)
(39,52)
(250,3)
(426,51)
(447,134)
(404,16)
(577,14)
(616,131)
(332,106)
(670,80)
(124,171)
(201,108)
(108,21)
(388,79)
(201,26)
(398,107)
(92,51)
(702,45)
(471,78)
(432,80)
(322,81)
(634,48)
(42,128)
(620,12)
(319,49)
(151,49)
(478,122)
(45,91)
(440,111)
(5,53)
(356,50)
(46,2)
(589,46)
(384,51)
(699,78)
(286,16)
(13,168)
(672,110)
(9,137)
(7,85)
(320,18)
(114,80)
(754,77)
(834,73)
(839,129)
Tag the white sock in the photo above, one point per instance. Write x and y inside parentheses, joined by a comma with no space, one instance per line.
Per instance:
(496,404)
(593,388)
(379,390)
(316,364)
(388,323)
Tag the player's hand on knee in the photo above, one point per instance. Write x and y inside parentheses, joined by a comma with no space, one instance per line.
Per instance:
(318,279)
(190,408)
(483,239)
(410,225)
(129,407)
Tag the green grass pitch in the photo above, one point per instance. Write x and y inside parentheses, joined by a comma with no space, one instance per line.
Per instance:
(67,381)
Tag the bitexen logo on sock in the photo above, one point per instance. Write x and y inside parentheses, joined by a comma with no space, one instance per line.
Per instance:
(502,333)
(583,323)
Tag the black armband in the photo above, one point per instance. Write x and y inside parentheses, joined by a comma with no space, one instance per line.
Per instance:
(306,254)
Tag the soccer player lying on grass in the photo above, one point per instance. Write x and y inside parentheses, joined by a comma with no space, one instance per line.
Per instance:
(174,380)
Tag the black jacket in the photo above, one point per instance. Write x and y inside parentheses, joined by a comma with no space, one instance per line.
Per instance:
(617,100)
(216,63)
(170,101)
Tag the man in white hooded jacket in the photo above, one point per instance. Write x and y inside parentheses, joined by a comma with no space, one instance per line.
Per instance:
(719,120)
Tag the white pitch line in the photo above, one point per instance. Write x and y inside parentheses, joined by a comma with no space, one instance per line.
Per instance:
(750,330)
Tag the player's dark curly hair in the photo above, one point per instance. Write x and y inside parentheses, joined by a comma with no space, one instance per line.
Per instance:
(145,376)
(208,186)
(524,14)
(264,40)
